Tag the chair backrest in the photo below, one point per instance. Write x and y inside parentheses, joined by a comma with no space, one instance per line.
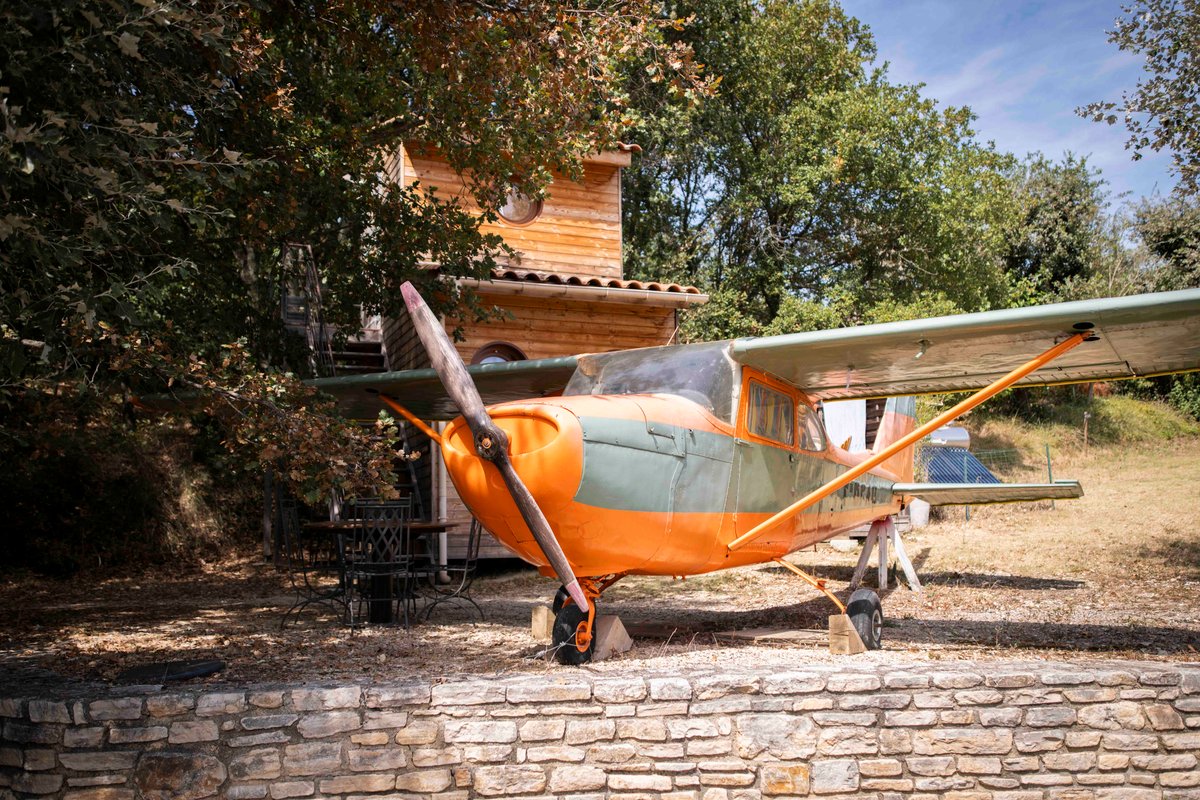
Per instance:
(380,535)
(289,531)
(379,509)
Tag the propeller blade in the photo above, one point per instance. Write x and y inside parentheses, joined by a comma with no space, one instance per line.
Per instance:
(445,361)
(490,442)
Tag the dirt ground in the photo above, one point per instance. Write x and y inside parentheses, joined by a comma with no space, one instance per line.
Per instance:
(1114,575)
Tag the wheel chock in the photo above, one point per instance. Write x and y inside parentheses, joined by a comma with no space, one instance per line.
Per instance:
(542,624)
(611,637)
(843,636)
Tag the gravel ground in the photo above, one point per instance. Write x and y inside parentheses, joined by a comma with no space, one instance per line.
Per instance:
(1115,575)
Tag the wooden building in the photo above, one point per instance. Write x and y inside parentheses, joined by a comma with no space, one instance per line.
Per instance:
(562,294)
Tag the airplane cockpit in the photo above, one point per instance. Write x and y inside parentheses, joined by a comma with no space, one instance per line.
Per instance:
(703,373)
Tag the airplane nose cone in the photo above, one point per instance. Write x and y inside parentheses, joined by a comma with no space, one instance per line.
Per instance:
(546,448)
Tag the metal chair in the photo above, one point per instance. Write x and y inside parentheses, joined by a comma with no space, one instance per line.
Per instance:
(378,562)
(462,575)
(312,565)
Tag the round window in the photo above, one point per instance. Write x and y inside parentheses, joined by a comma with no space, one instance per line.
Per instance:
(520,209)
(497,353)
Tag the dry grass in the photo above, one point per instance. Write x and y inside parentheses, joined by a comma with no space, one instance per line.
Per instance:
(1116,574)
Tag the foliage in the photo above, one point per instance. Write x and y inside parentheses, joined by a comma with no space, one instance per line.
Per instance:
(1163,110)
(809,175)
(724,316)
(159,160)
(926,304)
(1170,231)
(1121,268)
(1057,239)
(112,498)
(1118,422)
(1182,392)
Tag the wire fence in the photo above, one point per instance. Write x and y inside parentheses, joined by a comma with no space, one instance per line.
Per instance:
(958,465)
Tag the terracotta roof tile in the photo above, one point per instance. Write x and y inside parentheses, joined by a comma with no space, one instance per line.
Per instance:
(532,276)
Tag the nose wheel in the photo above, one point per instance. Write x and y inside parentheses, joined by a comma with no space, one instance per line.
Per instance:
(574,642)
(574,633)
(560,599)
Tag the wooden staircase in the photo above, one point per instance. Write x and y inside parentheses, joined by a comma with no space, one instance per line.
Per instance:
(359,356)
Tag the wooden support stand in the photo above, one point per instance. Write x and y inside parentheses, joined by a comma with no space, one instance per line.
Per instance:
(883,532)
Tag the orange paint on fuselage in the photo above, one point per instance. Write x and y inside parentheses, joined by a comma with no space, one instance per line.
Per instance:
(547,450)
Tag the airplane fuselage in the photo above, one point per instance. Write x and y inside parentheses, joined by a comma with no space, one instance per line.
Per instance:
(655,484)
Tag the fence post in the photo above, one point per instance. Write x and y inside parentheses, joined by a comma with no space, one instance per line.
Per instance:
(1049,471)
(966,508)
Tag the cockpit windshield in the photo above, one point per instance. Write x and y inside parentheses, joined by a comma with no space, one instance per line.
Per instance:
(703,373)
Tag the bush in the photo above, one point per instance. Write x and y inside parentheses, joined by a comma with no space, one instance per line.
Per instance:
(108,498)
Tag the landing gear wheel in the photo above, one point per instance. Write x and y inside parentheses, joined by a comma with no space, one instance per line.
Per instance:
(560,599)
(568,623)
(866,615)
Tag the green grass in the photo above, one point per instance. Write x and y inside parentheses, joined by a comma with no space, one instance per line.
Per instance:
(1116,420)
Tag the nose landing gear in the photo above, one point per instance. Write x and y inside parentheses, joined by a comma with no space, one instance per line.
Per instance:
(574,632)
(574,643)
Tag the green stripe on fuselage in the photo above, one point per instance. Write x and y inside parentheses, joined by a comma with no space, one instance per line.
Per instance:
(631,466)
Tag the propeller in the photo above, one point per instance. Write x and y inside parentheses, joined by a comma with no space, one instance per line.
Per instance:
(491,443)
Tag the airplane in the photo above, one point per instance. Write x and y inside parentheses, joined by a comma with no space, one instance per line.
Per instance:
(684,459)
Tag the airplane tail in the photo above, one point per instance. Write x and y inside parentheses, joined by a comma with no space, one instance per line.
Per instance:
(899,420)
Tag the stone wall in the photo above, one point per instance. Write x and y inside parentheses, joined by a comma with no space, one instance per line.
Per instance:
(978,730)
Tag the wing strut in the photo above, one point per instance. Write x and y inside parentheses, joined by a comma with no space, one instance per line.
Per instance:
(983,394)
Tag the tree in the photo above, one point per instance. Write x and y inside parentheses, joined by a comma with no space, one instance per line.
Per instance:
(1170,231)
(809,174)
(1057,239)
(1163,110)
(158,157)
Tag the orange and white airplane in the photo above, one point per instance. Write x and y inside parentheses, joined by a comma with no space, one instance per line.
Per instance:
(681,460)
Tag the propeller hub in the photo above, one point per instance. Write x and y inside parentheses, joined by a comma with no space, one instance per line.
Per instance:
(491,443)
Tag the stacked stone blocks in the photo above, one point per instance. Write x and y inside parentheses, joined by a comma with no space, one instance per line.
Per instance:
(1009,731)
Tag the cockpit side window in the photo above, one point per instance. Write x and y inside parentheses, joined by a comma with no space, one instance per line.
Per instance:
(812,432)
(770,414)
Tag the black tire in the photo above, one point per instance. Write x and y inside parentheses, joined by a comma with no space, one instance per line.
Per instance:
(866,615)
(560,600)
(566,623)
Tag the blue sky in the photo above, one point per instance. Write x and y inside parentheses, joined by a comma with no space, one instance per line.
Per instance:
(1023,67)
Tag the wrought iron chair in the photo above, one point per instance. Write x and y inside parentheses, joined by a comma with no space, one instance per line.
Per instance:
(378,561)
(462,575)
(312,565)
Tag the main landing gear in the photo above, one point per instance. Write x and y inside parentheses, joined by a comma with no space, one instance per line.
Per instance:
(574,630)
(866,615)
(859,626)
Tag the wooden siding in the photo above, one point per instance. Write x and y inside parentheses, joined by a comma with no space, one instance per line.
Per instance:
(577,233)
(550,327)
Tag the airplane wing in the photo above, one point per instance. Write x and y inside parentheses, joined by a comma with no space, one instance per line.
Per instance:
(1138,336)
(421,391)
(959,494)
